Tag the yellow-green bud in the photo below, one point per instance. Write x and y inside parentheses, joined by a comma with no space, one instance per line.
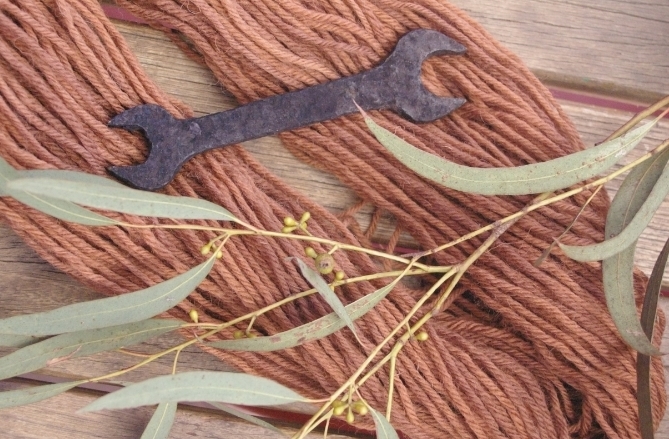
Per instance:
(360,408)
(338,411)
(422,336)
(350,417)
(289,221)
(219,254)
(288,229)
(205,249)
(194,315)
(238,334)
(305,217)
(251,335)
(325,263)
(339,275)
(309,251)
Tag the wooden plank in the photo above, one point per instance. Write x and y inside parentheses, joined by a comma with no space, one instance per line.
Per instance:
(613,47)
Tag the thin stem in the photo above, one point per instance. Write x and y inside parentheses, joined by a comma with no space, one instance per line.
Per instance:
(176,361)
(391,385)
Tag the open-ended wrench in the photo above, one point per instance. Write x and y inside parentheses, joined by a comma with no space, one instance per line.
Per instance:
(395,84)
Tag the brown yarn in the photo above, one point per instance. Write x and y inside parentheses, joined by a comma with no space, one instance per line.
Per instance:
(522,352)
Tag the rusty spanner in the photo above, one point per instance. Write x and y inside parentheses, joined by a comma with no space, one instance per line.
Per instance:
(394,84)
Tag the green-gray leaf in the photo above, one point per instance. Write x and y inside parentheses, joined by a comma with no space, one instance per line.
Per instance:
(15,398)
(228,387)
(17,341)
(7,173)
(617,270)
(245,416)
(60,209)
(383,428)
(316,281)
(161,422)
(648,315)
(528,179)
(126,308)
(315,330)
(629,234)
(80,344)
(109,195)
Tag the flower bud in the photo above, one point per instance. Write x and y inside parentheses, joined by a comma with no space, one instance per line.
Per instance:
(422,336)
(309,251)
(206,249)
(325,263)
(289,221)
(194,315)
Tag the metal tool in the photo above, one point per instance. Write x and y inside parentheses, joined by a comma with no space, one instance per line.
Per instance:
(395,84)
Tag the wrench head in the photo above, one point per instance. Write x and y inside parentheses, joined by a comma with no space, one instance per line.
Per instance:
(158,126)
(403,66)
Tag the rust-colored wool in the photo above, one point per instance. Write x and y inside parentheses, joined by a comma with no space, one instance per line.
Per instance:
(521,352)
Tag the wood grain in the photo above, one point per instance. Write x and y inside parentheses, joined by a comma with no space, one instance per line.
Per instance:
(614,47)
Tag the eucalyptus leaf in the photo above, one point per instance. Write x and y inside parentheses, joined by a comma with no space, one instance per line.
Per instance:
(17,341)
(228,387)
(316,280)
(7,173)
(110,311)
(535,178)
(108,195)
(63,210)
(314,330)
(15,398)
(60,209)
(648,315)
(161,422)
(383,428)
(81,344)
(630,233)
(245,416)
(617,270)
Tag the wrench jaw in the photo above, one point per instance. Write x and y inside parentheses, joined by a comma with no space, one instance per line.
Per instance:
(147,176)
(420,44)
(158,126)
(403,66)
(429,108)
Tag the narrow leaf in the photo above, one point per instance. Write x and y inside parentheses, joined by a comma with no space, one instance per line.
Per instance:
(316,281)
(383,428)
(15,398)
(101,313)
(228,387)
(109,195)
(161,422)
(81,344)
(314,330)
(617,270)
(62,210)
(7,173)
(535,178)
(17,341)
(630,233)
(245,416)
(648,315)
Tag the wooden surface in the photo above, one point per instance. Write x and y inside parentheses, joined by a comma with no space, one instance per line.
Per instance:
(615,48)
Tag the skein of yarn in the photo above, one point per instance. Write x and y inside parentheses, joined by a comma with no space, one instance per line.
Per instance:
(520,352)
